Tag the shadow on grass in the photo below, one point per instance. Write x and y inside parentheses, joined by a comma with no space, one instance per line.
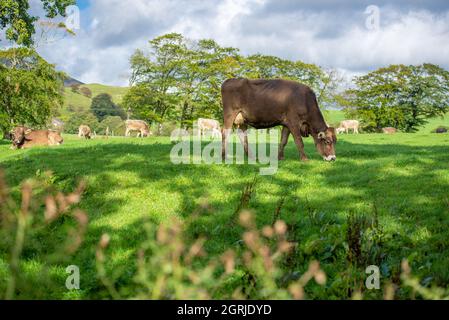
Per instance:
(404,182)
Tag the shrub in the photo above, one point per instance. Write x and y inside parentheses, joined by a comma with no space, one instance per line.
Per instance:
(85,91)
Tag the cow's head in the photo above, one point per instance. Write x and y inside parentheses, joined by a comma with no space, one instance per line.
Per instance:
(147,133)
(325,144)
(19,135)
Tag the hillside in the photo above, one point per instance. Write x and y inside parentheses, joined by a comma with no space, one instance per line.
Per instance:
(76,102)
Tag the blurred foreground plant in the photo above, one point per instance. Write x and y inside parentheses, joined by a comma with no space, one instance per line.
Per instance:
(170,268)
(24,226)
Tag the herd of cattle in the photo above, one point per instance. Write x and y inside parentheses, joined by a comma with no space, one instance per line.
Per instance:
(261,104)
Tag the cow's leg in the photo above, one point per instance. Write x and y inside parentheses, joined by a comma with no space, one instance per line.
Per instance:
(229,119)
(296,132)
(243,135)
(284,141)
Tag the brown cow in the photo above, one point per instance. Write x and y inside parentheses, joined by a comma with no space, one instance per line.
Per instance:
(137,125)
(389,130)
(24,138)
(85,131)
(266,104)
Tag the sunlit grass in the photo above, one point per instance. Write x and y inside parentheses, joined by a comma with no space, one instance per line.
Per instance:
(404,177)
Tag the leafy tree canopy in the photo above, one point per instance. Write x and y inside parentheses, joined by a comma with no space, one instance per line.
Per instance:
(31,88)
(399,96)
(103,106)
(19,23)
(179,79)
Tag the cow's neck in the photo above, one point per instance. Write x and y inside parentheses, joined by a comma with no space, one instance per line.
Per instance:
(317,124)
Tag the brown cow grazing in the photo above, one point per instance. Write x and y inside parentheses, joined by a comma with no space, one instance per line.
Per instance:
(389,130)
(266,104)
(137,125)
(24,138)
(84,131)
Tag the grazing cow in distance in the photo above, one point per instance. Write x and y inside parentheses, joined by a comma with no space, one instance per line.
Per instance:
(84,131)
(265,104)
(209,125)
(389,130)
(24,138)
(137,125)
(347,125)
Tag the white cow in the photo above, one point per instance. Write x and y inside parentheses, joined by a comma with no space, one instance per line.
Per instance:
(347,125)
(209,125)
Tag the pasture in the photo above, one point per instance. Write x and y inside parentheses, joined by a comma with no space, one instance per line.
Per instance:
(400,182)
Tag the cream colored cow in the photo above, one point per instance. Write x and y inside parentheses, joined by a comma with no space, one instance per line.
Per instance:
(137,125)
(347,125)
(209,126)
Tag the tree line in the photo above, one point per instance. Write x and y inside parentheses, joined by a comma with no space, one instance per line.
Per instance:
(178,80)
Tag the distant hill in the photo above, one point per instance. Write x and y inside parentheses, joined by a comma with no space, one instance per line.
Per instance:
(68,82)
(76,102)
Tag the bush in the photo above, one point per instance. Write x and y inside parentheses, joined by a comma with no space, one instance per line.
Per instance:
(167,128)
(440,129)
(115,124)
(86,92)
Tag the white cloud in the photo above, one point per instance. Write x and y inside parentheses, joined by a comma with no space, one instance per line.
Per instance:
(112,30)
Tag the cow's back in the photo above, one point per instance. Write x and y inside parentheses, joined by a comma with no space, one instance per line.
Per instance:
(42,138)
(136,124)
(268,103)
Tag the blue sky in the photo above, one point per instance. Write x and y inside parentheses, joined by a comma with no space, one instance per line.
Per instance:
(83,4)
(333,34)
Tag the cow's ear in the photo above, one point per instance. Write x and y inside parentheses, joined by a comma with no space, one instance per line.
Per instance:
(305,131)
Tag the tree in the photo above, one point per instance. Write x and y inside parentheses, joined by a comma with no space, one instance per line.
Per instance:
(85,91)
(180,79)
(82,118)
(103,106)
(19,23)
(141,100)
(31,88)
(115,125)
(157,71)
(399,96)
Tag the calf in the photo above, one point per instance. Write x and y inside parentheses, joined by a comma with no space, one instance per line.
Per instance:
(24,138)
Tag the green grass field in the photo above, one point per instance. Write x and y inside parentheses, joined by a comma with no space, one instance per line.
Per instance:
(401,180)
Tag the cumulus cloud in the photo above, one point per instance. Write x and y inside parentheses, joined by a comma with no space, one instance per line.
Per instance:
(328,33)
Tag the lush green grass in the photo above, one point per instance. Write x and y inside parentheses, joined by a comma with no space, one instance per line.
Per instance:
(404,179)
